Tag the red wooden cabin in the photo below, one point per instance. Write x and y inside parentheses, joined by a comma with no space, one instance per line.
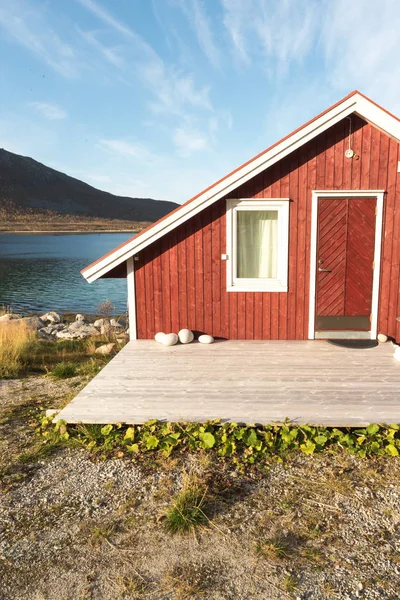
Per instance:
(301,242)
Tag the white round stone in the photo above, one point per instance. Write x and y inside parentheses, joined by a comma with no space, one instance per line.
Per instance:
(159,336)
(206,339)
(396,354)
(382,338)
(185,336)
(169,339)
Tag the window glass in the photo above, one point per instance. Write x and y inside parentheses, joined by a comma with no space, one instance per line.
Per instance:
(257,244)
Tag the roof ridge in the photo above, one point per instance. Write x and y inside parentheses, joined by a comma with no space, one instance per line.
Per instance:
(241,167)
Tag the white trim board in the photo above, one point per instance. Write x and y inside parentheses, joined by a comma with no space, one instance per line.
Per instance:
(356,103)
(376,194)
(130,278)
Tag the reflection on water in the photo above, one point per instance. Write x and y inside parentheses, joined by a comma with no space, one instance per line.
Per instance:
(42,272)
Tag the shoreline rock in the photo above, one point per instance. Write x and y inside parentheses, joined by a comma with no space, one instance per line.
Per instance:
(50,326)
(106,349)
(51,317)
(78,330)
(9,317)
(34,322)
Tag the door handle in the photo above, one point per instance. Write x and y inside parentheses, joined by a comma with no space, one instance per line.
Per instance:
(325,270)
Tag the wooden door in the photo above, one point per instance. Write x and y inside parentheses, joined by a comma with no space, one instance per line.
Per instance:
(345,254)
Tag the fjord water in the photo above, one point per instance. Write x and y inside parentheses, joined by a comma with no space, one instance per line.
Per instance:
(42,272)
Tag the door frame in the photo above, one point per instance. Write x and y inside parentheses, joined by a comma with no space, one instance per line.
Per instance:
(376,195)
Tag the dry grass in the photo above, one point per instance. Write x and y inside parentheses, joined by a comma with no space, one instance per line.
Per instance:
(91,345)
(187,510)
(189,579)
(275,547)
(16,339)
(21,352)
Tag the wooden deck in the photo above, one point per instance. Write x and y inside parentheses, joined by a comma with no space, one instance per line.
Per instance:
(243,381)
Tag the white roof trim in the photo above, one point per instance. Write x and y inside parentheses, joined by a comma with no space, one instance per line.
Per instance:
(356,103)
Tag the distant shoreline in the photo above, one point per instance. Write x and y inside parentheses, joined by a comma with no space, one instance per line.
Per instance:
(67,232)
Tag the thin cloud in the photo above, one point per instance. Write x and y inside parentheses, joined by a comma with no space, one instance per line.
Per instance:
(196,14)
(129,150)
(171,88)
(366,56)
(189,142)
(29,28)
(236,20)
(276,33)
(97,177)
(52,112)
(112,55)
(105,16)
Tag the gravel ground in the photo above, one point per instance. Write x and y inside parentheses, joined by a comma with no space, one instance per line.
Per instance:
(75,528)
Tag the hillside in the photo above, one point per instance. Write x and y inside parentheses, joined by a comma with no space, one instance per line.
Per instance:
(32,192)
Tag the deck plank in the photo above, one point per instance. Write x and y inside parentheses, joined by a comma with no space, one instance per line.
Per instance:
(244,381)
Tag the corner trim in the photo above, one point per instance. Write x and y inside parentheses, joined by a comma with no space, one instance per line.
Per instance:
(130,278)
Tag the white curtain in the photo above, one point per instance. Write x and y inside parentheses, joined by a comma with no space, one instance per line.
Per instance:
(257,243)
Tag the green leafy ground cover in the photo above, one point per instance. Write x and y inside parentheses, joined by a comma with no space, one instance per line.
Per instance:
(242,445)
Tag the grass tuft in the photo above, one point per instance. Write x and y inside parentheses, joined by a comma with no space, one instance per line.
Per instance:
(91,367)
(187,510)
(195,579)
(275,547)
(133,586)
(90,345)
(16,340)
(63,370)
(104,531)
(290,583)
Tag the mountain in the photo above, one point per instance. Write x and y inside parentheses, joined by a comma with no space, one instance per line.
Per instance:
(29,187)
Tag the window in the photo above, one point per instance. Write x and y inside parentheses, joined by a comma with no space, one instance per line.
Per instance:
(257,245)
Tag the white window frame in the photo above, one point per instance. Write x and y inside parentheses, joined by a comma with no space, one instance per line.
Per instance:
(273,284)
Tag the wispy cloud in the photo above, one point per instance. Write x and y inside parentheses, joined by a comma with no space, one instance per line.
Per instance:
(49,111)
(106,17)
(236,22)
(171,88)
(200,23)
(91,177)
(112,55)
(129,150)
(28,26)
(189,141)
(97,178)
(365,56)
(126,185)
(283,32)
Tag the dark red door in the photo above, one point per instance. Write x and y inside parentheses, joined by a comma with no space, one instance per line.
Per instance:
(345,254)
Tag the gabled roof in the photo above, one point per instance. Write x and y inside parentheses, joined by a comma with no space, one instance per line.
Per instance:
(353,103)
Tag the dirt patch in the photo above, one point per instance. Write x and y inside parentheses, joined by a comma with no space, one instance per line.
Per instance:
(20,399)
(314,527)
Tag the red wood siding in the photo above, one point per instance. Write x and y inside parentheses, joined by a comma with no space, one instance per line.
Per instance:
(181,279)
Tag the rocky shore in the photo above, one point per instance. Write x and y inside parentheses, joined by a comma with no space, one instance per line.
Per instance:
(52,326)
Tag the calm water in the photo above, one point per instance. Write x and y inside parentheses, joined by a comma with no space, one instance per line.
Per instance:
(41,272)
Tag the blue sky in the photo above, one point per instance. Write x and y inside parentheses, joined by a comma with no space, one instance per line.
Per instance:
(159,98)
